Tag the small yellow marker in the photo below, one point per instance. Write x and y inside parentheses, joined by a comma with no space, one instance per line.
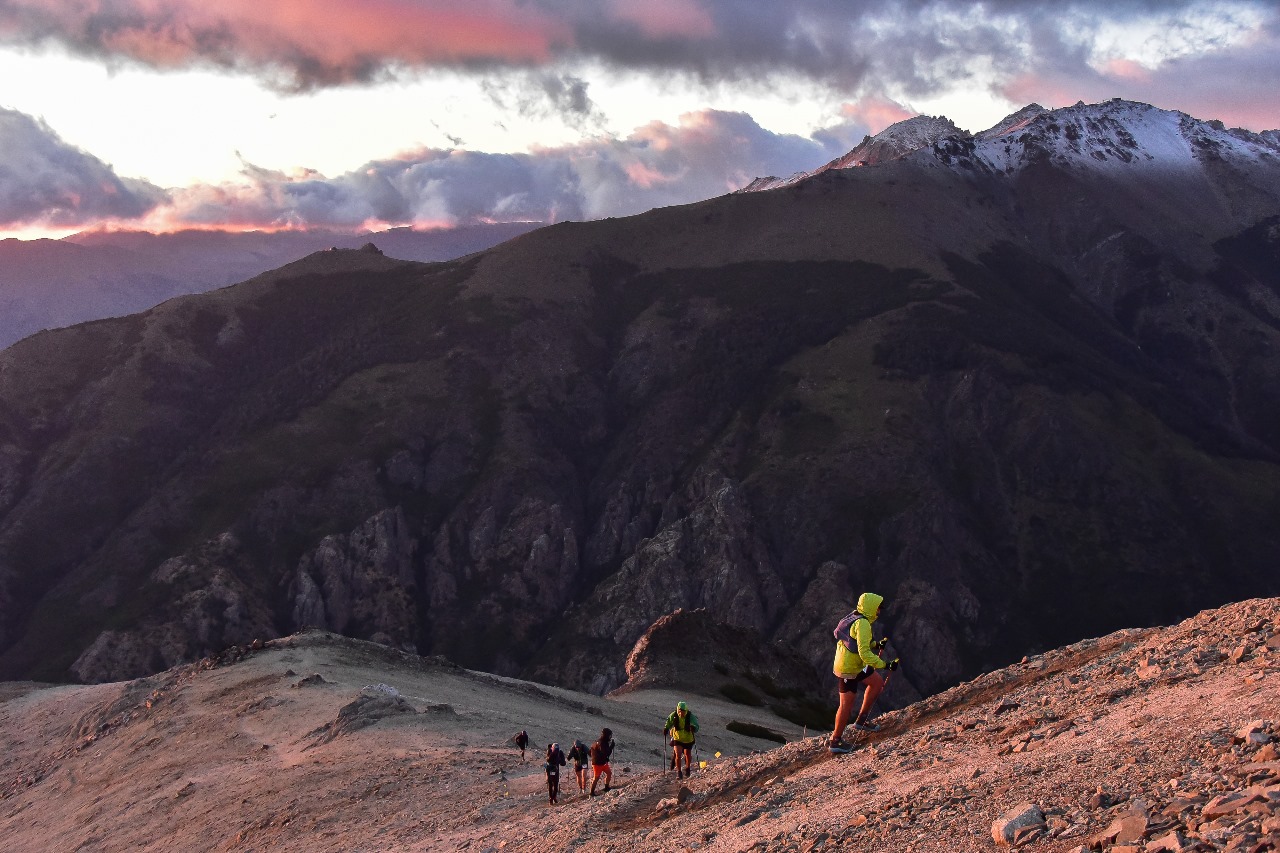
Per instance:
(717,755)
(702,765)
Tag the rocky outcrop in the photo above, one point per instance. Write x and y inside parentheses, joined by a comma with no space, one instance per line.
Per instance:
(375,703)
(205,607)
(495,583)
(363,583)
(690,650)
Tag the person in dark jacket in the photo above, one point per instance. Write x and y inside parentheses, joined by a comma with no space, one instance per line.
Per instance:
(601,750)
(555,760)
(521,739)
(580,755)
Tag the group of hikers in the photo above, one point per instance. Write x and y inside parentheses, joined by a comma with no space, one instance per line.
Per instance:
(858,661)
(681,727)
(598,755)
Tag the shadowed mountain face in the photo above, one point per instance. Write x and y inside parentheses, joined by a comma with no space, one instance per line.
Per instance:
(1025,386)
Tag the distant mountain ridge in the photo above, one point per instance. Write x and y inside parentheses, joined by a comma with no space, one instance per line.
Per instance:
(1026,386)
(1116,130)
(46,284)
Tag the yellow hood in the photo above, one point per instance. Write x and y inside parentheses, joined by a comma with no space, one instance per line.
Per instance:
(869,605)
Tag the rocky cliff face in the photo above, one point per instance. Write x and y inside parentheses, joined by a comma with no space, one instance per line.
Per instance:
(1004,398)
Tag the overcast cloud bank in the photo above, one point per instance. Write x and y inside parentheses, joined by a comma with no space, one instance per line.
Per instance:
(709,153)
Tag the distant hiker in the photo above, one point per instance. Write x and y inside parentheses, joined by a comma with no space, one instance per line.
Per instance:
(856,660)
(521,739)
(682,726)
(600,752)
(580,755)
(555,760)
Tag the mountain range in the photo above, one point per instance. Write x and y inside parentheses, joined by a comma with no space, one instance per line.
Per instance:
(1023,383)
(46,284)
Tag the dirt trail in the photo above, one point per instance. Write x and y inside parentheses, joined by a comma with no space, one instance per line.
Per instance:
(384,751)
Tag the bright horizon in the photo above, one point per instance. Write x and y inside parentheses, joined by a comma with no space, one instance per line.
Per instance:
(430,113)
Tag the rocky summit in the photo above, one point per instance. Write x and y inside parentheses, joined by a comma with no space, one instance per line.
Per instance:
(1142,740)
(1023,383)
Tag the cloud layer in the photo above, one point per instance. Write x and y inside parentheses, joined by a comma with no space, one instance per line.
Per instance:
(709,153)
(46,182)
(913,47)
(1213,59)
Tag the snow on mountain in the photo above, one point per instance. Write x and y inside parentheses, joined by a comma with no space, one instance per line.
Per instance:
(1013,123)
(1116,137)
(773,182)
(892,143)
(897,141)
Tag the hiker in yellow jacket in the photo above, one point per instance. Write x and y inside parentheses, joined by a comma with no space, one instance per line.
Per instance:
(681,726)
(857,660)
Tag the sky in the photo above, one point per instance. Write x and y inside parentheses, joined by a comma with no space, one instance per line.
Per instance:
(366,114)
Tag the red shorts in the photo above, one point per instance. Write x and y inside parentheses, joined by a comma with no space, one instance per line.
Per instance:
(597,769)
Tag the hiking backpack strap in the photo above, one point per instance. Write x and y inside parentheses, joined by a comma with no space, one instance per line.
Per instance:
(843,634)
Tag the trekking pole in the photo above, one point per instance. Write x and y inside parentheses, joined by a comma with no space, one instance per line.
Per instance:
(892,667)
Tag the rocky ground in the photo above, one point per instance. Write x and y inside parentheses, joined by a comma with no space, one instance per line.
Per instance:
(1137,742)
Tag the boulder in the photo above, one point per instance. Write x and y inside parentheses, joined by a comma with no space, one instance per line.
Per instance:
(1169,843)
(1005,829)
(1253,733)
(1126,829)
(1225,805)
(368,708)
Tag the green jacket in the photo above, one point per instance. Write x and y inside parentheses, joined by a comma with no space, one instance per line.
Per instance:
(681,732)
(847,664)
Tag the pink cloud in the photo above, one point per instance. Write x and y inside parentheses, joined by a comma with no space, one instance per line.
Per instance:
(319,42)
(1126,69)
(666,18)
(876,112)
(1050,91)
(645,176)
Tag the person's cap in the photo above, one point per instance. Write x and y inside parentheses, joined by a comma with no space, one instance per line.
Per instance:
(555,746)
(682,706)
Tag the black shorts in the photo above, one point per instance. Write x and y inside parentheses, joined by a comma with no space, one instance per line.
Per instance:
(683,746)
(850,685)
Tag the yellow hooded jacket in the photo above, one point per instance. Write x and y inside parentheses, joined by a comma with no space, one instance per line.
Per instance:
(847,664)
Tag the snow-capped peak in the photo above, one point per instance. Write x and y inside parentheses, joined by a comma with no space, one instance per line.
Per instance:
(1115,134)
(1014,122)
(897,141)
(893,143)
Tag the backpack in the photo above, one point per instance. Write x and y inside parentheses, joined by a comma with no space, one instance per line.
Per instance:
(842,632)
(600,753)
(690,723)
